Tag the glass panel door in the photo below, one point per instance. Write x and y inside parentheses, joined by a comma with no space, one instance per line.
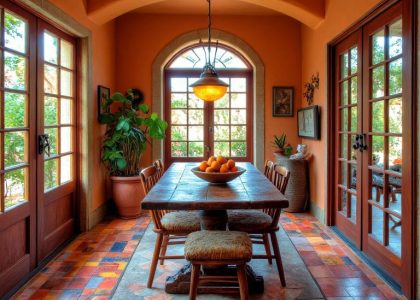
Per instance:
(349,139)
(17,141)
(383,160)
(57,137)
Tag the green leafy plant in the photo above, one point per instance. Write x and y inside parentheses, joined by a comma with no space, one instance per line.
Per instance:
(129,130)
(279,141)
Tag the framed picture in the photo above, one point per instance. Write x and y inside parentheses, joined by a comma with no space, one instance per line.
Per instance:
(103,94)
(283,100)
(309,122)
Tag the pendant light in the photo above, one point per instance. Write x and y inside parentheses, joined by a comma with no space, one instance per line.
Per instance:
(209,87)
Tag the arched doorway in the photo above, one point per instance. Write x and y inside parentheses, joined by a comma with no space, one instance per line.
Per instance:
(198,129)
(243,49)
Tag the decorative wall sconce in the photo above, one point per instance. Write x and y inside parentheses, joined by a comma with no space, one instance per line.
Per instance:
(310,88)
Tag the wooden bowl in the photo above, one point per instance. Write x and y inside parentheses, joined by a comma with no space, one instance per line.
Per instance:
(217,177)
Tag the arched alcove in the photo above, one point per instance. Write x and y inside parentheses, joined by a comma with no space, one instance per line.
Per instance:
(190,38)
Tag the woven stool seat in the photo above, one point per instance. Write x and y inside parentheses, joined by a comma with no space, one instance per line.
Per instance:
(249,220)
(218,246)
(181,221)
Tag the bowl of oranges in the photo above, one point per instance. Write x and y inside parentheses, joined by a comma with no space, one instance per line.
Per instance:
(218,170)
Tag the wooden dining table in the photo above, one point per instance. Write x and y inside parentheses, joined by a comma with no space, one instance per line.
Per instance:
(180,189)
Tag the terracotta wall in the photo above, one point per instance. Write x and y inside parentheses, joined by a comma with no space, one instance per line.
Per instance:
(103,43)
(276,40)
(339,16)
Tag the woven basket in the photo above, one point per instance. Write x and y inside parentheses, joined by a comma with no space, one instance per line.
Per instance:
(297,191)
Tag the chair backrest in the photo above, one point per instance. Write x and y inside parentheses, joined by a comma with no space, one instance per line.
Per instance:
(160,166)
(149,176)
(281,178)
(268,169)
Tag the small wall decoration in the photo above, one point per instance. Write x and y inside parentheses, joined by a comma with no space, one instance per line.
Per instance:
(103,95)
(310,88)
(309,122)
(283,101)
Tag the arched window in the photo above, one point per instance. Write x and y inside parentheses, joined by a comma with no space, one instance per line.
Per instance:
(200,129)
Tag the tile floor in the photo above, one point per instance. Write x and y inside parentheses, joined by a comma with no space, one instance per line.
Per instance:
(92,265)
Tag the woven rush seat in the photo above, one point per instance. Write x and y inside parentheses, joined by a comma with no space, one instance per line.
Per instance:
(218,246)
(249,220)
(181,221)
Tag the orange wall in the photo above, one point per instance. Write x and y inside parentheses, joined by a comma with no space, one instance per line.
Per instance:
(275,39)
(339,16)
(103,43)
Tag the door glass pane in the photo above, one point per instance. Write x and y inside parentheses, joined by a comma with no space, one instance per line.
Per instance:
(196,149)
(343,201)
(66,83)
(354,90)
(223,102)
(15,191)
(238,133)
(15,110)
(66,54)
(378,124)
(344,119)
(395,145)
(178,100)
(395,115)
(50,111)
(14,71)
(378,82)
(53,136)
(179,149)
(344,61)
(50,48)
(344,173)
(179,133)
(354,118)
(378,47)
(221,148)
(179,116)
(179,84)
(353,208)
(196,116)
(221,116)
(238,149)
(50,174)
(66,111)
(395,38)
(14,148)
(65,139)
(65,169)
(221,133)
(238,85)
(344,93)
(15,33)
(195,133)
(50,80)
(343,145)
(238,100)
(353,60)
(395,77)
(194,102)
(378,146)
(394,235)
(377,223)
(238,116)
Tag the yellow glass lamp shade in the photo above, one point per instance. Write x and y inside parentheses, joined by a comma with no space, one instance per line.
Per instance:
(209,87)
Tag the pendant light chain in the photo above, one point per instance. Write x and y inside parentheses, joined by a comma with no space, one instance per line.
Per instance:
(209,1)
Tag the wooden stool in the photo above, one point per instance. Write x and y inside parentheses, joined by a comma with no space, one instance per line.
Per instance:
(218,248)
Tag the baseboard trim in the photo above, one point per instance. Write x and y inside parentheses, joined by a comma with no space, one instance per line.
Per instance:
(98,214)
(317,212)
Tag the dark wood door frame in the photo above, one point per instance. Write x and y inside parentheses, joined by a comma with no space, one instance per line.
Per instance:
(409,9)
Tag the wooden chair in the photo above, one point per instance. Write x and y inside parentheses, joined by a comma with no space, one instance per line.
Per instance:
(268,169)
(261,223)
(160,166)
(171,227)
(218,248)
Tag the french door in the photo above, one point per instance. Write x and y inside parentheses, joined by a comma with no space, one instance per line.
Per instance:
(37,142)
(199,129)
(373,143)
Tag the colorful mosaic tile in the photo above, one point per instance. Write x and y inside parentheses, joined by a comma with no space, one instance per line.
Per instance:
(92,266)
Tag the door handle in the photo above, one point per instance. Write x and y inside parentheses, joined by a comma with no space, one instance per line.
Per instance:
(44,145)
(359,143)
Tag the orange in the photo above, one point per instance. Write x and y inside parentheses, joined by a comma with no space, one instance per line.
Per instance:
(224,168)
(209,170)
(234,169)
(221,160)
(231,163)
(210,160)
(215,165)
(203,166)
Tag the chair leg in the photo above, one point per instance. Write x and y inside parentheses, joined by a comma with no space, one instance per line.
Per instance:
(155,259)
(195,277)
(279,263)
(243,283)
(267,247)
(164,246)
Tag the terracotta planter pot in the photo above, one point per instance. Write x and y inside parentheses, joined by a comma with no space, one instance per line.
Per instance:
(127,193)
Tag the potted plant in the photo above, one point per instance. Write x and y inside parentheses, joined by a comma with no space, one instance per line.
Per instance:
(282,148)
(129,129)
